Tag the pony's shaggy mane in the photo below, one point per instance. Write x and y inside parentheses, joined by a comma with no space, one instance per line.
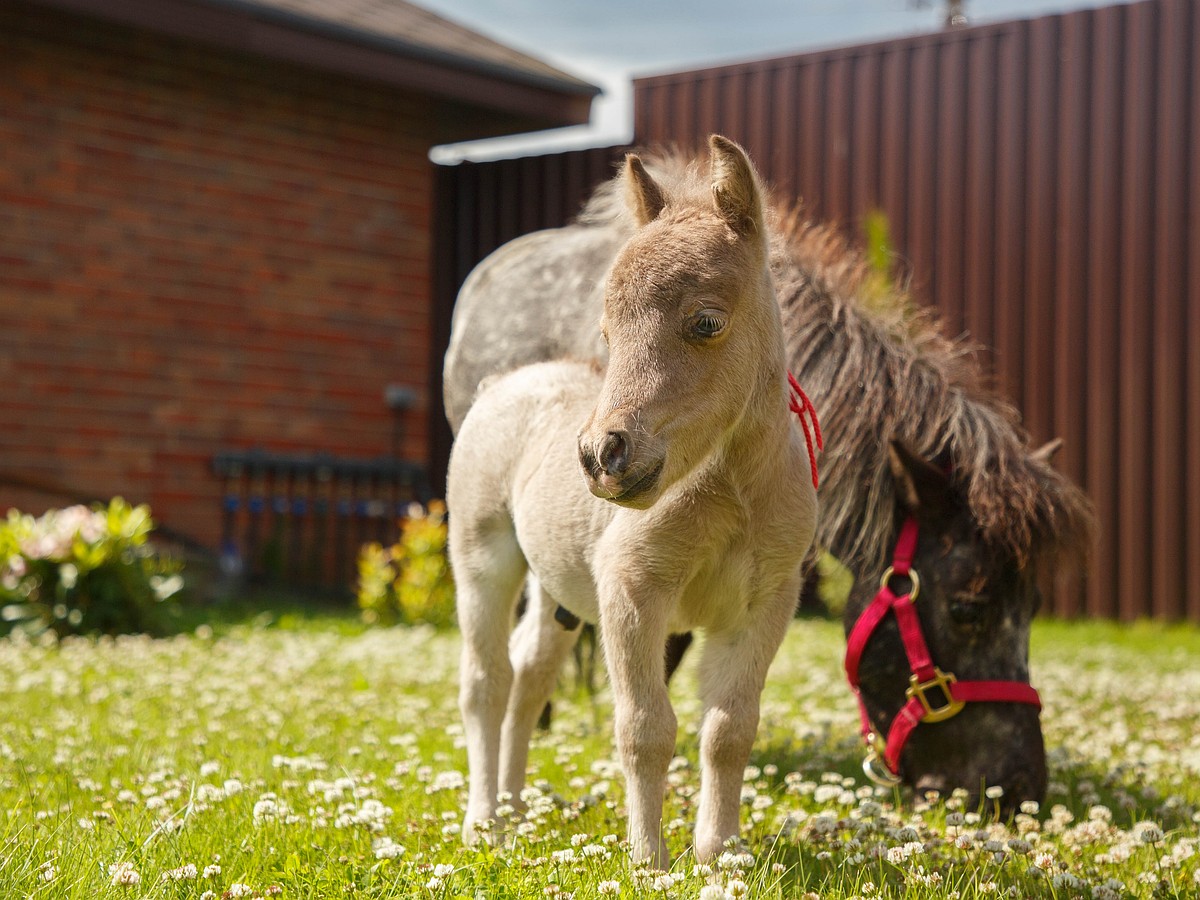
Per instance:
(883,368)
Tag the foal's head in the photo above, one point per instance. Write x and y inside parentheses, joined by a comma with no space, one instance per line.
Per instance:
(691,324)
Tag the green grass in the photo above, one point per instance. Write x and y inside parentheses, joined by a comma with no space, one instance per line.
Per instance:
(294,753)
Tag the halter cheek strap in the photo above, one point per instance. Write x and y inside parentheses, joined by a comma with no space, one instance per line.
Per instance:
(933,695)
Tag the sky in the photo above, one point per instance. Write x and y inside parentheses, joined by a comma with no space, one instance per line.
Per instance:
(607,42)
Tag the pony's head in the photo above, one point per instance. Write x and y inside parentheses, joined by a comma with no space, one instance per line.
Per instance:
(691,324)
(975,600)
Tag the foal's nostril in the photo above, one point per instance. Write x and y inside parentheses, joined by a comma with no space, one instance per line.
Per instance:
(614,453)
(587,459)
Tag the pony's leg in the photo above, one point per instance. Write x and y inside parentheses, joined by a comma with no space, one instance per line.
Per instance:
(537,648)
(488,571)
(633,631)
(733,668)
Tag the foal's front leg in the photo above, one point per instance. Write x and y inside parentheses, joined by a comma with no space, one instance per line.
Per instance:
(733,669)
(633,629)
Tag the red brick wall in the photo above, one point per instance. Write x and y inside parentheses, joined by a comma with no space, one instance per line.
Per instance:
(200,251)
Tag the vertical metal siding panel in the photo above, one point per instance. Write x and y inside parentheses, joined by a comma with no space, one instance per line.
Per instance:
(894,146)
(979,196)
(785,150)
(529,175)
(923,175)
(1191,474)
(950,184)
(652,117)
(758,128)
(864,137)
(683,108)
(1103,263)
(812,112)
(1137,182)
(1168,414)
(707,106)
(731,119)
(572,187)
(1011,190)
(839,110)
(1070,327)
(508,209)
(1041,226)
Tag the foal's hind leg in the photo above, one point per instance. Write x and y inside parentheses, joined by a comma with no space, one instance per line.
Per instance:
(488,570)
(538,647)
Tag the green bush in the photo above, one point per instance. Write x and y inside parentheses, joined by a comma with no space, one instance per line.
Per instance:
(409,582)
(82,571)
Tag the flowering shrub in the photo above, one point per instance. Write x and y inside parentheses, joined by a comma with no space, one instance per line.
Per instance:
(81,570)
(410,581)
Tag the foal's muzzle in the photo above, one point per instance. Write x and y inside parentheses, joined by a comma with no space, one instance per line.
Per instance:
(613,470)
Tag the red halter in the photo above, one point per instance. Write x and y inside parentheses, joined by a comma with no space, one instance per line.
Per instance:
(949,694)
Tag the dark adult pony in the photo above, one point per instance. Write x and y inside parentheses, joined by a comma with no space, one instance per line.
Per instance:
(912,436)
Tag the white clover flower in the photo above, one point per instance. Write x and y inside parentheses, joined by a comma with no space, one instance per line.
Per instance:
(212,871)
(737,888)
(1068,881)
(386,848)
(47,871)
(702,870)
(123,874)
(609,888)
(1148,832)
(237,890)
(443,870)
(713,892)
(665,881)
(1030,807)
(434,884)
(995,792)
(183,873)
(562,857)
(729,860)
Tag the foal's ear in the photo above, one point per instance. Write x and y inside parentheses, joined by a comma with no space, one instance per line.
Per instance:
(922,487)
(642,192)
(735,186)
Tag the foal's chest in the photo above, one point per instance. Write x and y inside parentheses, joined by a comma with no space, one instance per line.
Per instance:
(723,589)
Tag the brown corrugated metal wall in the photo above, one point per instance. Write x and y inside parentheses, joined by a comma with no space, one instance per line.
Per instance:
(1040,184)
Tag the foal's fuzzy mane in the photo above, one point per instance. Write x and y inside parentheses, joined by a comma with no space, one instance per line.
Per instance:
(882,368)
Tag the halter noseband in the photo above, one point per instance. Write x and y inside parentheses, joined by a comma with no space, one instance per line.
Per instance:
(950,695)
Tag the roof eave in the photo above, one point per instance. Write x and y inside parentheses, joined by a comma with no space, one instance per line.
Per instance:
(540,101)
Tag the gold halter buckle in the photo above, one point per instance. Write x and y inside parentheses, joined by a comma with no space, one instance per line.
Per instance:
(942,681)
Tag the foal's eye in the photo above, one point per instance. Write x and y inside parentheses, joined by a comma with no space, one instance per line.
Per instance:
(705,324)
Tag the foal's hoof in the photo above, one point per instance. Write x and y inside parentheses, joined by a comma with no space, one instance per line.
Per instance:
(656,858)
(481,831)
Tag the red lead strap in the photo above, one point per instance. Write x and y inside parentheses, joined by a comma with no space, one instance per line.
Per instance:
(949,695)
(799,403)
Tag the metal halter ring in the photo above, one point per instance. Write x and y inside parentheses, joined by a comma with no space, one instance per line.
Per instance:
(911,575)
(875,769)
